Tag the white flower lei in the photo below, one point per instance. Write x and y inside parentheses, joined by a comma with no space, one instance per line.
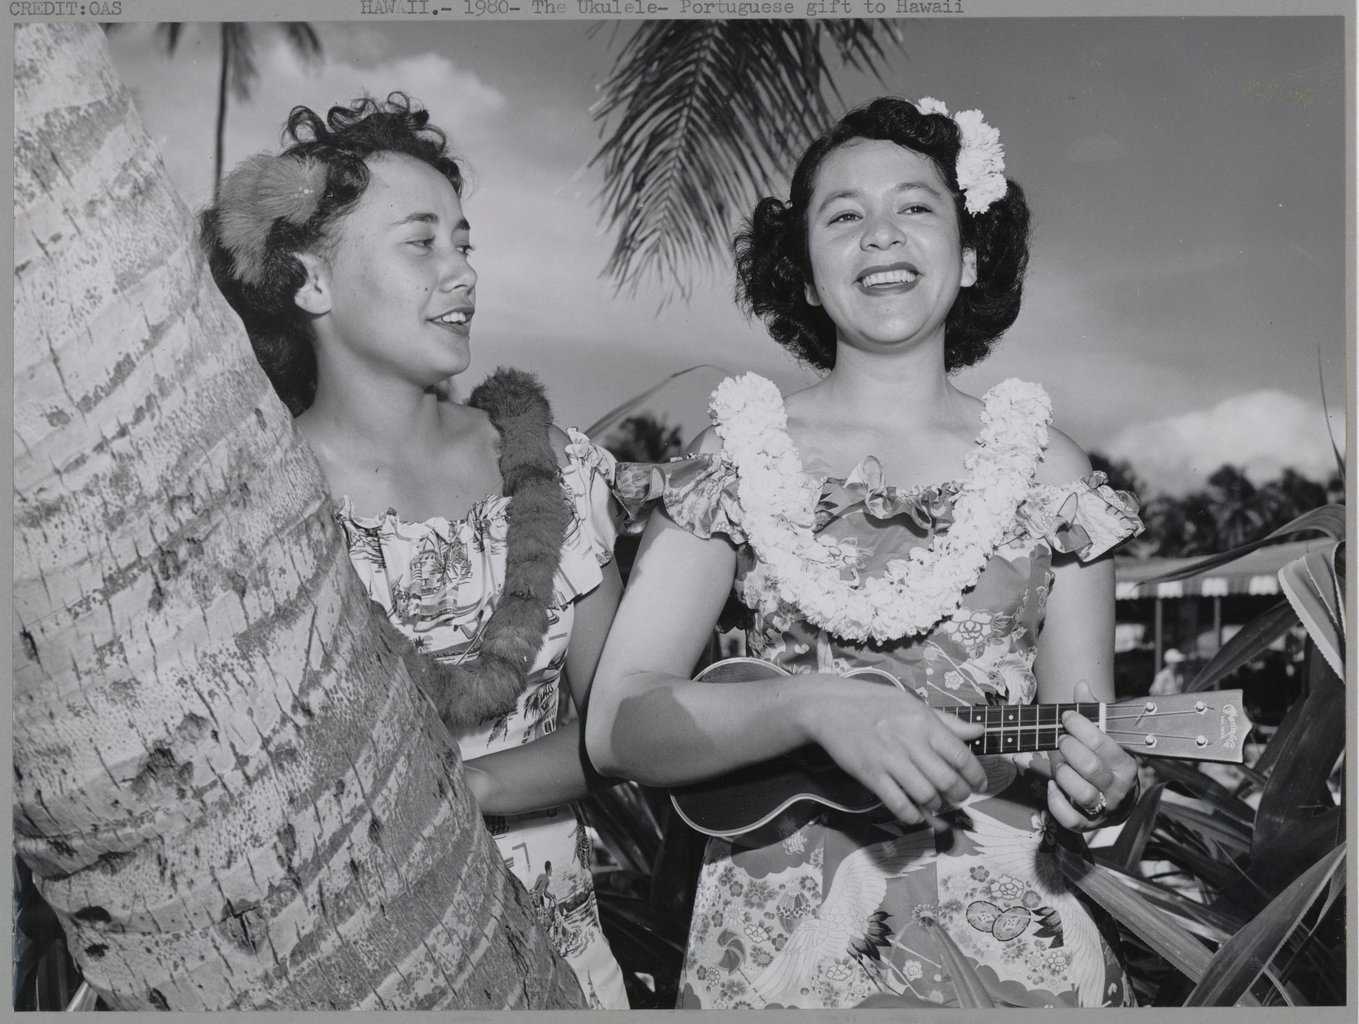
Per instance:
(981,158)
(794,567)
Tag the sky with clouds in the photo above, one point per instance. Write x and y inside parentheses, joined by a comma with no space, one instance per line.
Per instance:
(1186,178)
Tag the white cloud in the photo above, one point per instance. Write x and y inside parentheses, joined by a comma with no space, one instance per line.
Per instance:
(1259,431)
(460,101)
(181,118)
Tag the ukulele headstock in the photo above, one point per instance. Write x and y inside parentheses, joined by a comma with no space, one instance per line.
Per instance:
(1207,726)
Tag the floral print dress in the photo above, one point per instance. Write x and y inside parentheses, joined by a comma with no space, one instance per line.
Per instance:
(439,581)
(846,907)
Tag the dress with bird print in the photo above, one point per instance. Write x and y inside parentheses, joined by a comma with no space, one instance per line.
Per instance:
(847,908)
(438,582)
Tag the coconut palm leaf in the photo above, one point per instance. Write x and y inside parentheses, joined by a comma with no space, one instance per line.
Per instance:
(238,71)
(170,33)
(704,115)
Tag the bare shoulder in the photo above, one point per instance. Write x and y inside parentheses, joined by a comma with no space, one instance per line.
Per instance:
(1063,461)
(559,439)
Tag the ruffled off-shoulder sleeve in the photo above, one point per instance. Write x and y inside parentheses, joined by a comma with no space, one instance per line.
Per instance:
(587,479)
(697,492)
(1086,518)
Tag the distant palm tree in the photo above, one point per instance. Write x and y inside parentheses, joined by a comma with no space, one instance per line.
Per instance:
(1236,507)
(644,438)
(238,72)
(706,116)
(1121,474)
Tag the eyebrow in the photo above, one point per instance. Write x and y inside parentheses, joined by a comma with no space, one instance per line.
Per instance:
(430,218)
(904,186)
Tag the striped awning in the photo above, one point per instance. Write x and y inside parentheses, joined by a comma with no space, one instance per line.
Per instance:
(1254,574)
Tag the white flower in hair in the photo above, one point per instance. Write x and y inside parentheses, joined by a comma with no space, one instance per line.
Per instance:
(981,158)
(981,162)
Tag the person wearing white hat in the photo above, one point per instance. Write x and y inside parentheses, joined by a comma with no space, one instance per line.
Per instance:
(1171,678)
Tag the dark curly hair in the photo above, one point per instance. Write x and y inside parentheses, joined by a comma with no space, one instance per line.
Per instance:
(280,332)
(772,261)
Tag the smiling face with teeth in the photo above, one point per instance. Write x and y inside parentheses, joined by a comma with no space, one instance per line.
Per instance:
(394,294)
(884,247)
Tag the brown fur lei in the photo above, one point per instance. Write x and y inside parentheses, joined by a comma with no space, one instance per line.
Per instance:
(493,676)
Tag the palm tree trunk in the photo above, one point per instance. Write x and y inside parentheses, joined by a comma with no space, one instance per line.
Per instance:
(226,783)
(220,141)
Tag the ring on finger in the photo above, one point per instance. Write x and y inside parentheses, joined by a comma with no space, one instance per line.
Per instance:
(1101,805)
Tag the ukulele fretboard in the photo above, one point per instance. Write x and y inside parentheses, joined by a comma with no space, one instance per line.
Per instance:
(1017,728)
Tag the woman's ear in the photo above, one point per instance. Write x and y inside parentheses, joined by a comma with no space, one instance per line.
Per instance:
(969,277)
(314,295)
(810,294)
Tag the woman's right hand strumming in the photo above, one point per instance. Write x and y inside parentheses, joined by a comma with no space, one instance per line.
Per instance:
(644,722)
(915,760)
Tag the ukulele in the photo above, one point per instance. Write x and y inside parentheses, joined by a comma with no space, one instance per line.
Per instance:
(1207,726)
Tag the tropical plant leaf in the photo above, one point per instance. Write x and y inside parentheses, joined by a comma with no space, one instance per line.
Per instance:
(85,998)
(1162,932)
(623,820)
(1334,891)
(1206,788)
(1132,838)
(1253,639)
(1328,520)
(1264,764)
(1212,923)
(595,429)
(635,916)
(1215,924)
(1297,813)
(1217,873)
(1312,586)
(1251,775)
(1326,412)
(1226,832)
(1247,954)
(967,982)
(706,115)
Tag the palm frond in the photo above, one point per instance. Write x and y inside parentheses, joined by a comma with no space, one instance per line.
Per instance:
(705,115)
(242,71)
(303,39)
(169,33)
